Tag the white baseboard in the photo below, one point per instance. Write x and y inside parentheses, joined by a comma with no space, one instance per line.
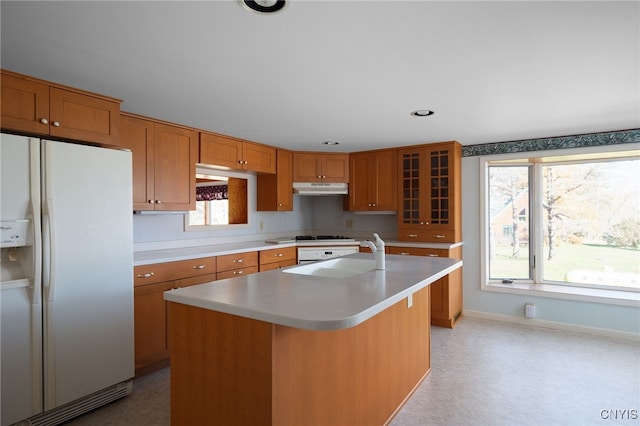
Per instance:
(553,325)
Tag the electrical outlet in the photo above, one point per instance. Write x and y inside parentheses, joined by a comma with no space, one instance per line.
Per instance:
(261,224)
(529,310)
(409,301)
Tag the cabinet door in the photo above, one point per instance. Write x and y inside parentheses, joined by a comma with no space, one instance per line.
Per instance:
(429,193)
(335,168)
(150,318)
(385,190)
(220,151)
(25,105)
(306,167)
(83,117)
(359,181)
(175,157)
(138,135)
(275,192)
(258,158)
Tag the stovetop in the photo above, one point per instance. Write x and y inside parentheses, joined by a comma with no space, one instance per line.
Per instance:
(323,238)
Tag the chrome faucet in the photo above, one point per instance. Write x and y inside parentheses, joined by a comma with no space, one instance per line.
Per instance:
(377,249)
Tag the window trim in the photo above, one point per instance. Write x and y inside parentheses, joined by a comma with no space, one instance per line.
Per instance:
(535,286)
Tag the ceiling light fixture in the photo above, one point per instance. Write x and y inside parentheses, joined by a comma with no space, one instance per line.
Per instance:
(264,6)
(422,113)
(331,143)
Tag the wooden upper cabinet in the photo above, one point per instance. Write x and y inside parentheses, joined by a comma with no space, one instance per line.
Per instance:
(41,108)
(320,167)
(164,162)
(275,192)
(429,193)
(228,152)
(373,181)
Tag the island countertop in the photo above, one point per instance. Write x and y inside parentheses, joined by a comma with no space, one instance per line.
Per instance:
(313,302)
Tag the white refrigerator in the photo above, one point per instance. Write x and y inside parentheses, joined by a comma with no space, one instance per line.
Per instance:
(66,289)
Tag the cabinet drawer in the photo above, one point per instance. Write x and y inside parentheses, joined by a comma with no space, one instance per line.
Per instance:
(426,235)
(237,272)
(277,255)
(186,282)
(237,261)
(158,272)
(419,251)
(277,265)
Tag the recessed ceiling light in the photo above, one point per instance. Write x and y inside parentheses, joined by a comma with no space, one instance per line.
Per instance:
(264,6)
(422,113)
(331,143)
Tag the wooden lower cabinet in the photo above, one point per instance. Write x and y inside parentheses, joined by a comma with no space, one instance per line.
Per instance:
(277,258)
(150,309)
(446,293)
(231,370)
(233,265)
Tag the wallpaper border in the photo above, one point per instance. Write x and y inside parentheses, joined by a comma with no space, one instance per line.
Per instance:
(561,142)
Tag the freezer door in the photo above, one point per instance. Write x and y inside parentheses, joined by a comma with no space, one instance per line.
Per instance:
(88,270)
(20,297)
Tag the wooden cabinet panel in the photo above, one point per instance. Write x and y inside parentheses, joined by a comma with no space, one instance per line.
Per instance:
(320,167)
(150,308)
(157,272)
(150,324)
(39,107)
(275,192)
(245,270)
(277,265)
(237,261)
(25,104)
(277,258)
(259,158)
(373,181)
(429,193)
(224,151)
(164,161)
(175,158)
(446,293)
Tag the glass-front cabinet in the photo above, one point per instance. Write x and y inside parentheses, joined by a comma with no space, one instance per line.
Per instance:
(429,199)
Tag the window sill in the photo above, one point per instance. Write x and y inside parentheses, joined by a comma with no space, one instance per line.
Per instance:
(611,297)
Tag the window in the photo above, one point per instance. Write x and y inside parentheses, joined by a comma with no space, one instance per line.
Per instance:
(569,221)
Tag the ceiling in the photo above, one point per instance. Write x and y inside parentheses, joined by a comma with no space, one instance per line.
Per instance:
(346,71)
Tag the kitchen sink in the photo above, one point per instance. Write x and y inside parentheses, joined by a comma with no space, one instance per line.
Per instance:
(334,268)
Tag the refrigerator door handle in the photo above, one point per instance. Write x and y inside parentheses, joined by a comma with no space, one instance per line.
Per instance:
(37,255)
(50,220)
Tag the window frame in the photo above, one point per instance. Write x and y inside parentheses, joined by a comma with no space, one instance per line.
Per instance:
(536,285)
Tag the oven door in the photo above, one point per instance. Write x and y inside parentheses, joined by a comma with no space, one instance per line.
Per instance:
(314,254)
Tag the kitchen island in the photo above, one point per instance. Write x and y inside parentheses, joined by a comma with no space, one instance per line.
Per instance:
(284,348)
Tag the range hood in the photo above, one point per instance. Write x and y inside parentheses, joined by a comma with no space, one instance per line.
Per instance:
(320,188)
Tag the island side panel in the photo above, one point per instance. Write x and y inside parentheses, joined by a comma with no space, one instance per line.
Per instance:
(356,376)
(220,368)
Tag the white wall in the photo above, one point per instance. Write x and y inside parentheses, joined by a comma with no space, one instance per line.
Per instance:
(583,314)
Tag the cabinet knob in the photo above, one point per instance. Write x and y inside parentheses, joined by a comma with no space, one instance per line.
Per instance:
(279,204)
(147,275)
(199,266)
(439,236)
(238,261)
(433,255)
(324,177)
(279,255)
(56,124)
(44,121)
(151,201)
(373,204)
(404,253)
(412,235)
(238,272)
(158,202)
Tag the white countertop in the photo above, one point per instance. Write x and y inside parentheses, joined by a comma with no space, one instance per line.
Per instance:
(317,303)
(184,253)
